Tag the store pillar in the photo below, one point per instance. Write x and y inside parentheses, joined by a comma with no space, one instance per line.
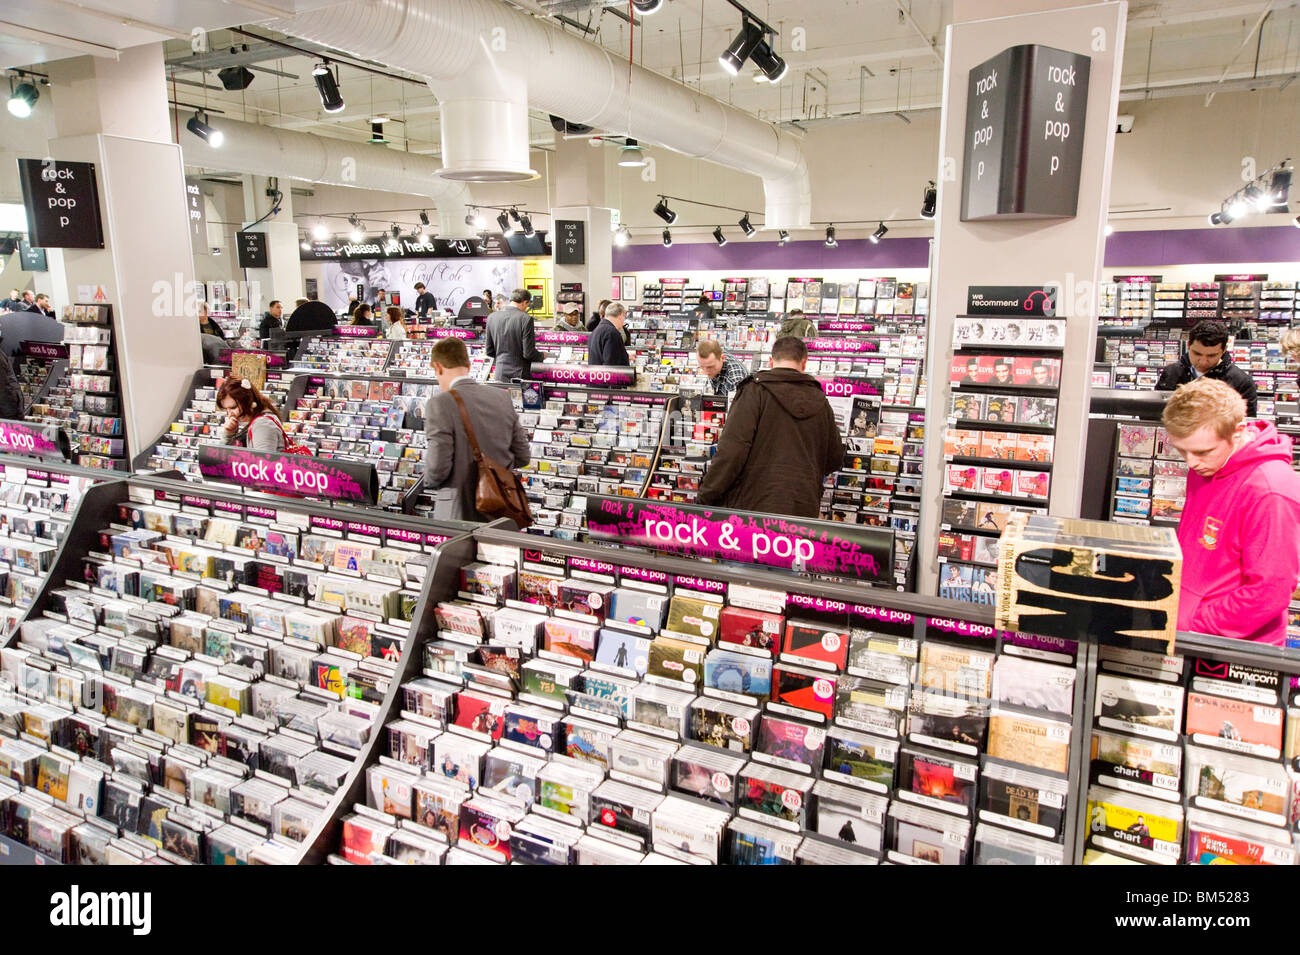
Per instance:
(1016,227)
(282,278)
(113,113)
(582,240)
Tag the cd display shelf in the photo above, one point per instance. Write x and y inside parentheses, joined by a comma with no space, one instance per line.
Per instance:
(39,367)
(151,723)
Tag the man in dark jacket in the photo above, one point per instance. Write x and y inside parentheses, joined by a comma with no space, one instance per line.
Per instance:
(1207,357)
(424,301)
(511,338)
(779,443)
(605,344)
(272,322)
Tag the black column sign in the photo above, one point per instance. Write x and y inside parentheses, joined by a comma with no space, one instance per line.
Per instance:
(62,204)
(33,260)
(197,215)
(1025,113)
(252,250)
(570,242)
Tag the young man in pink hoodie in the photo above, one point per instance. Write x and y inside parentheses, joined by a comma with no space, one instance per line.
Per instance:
(1240,530)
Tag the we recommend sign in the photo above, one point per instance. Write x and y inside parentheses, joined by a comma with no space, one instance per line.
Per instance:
(790,543)
(352,482)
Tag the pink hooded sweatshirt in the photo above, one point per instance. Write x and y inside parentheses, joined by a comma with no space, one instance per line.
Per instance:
(1240,535)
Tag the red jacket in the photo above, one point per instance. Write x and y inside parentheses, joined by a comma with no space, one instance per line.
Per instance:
(1240,534)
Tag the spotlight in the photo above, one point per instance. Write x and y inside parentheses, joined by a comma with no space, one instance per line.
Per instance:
(1280,188)
(772,67)
(879,233)
(527,225)
(304,244)
(331,100)
(396,231)
(1236,209)
(198,125)
(354,221)
(929,199)
(1109,228)
(514,213)
(503,221)
(830,237)
(320,232)
(663,212)
(631,155)
(1215,218)
(377,134)
(480,224)
(621,236)
(22,98)
(745,227)
(236,78)
(424,217)
(741,46)
(718,237)
(668,238)
(356,235)
(646,7)
(1230,212)
(782,237)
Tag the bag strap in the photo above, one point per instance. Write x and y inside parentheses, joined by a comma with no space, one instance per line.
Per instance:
(278,423)
(469,428)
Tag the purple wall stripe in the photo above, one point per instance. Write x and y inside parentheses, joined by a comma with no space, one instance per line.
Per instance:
(1123,249)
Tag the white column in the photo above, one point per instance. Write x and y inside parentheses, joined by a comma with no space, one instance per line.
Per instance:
(580,195)
(282,280)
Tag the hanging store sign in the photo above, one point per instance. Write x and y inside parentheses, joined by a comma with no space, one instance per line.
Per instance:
(62,204)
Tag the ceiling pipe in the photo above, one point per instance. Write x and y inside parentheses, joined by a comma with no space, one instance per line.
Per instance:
(487,63)
(270,151)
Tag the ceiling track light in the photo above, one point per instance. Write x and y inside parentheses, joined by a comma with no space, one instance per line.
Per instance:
(327,85)
(830,237)
(22,98)
(929,201)
(668,238)
(304,244)
(663,212)
(236,78)
(1110,229)
(621,236)
(741,46)
(357,235)
(198,125)
(526,223)
(782,237)
(745,226)
(1215,218)
(514,213)
(320,232)
(396,231)
(772,68)
(879,233)
(503,221)
(718,237)
(424,217)
(647,7)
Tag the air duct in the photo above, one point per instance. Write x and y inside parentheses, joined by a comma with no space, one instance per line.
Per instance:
(269,151)
(487,63)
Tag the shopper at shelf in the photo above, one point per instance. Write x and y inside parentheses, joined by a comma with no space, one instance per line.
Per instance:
(1239,529)
(570,318)
(11,394)
(448,459)
(362,315)
(724,372)
(251,419)
(272,322)
(597,315)
(511,338)
(29,301)
(396,330)
(1207,356)
(43,306)
(779,443)
(211,338)
(14,303)
(605,344)
(424,301)
(797,324)
(704,308)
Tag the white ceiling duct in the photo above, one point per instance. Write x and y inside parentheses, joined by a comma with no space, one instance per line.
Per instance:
(487,62)
(269,151)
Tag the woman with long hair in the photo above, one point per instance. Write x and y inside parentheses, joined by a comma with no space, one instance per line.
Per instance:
(251,419)
(362,314)
(396,330)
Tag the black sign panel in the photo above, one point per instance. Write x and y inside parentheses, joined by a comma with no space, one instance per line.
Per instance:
(1011,300)
(252,250)
(197,214)
(570,242)
(1023,151)
(33,259)
(62,204)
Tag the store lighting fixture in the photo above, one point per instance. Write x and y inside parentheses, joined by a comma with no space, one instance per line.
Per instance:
(663,212)
(396,230)
(1267,193)
(745,226)
(1257,197)
(879,233)
(514,213)
(718,237)
(772,68)
(357,233)
(1296,222)
(1215,218)
(304,244)
(741,46)
(377,133)
(424,217)
(621,236)
(236,78)
(1109,228)
(647,7)
(22,97)
(668,238)
(830,237)
(929,200)
(319,232)
(526,223)
(198,125)
(782,237)
(631,155)
(503,221)
(327,85)
(1279,189)
(1236,209)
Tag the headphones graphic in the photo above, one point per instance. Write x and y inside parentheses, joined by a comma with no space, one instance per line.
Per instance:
(1049,301)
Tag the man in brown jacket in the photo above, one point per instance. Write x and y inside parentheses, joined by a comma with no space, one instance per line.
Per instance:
(779,443)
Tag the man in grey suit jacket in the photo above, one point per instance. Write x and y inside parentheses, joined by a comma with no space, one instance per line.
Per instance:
(510,338)
(449,460)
